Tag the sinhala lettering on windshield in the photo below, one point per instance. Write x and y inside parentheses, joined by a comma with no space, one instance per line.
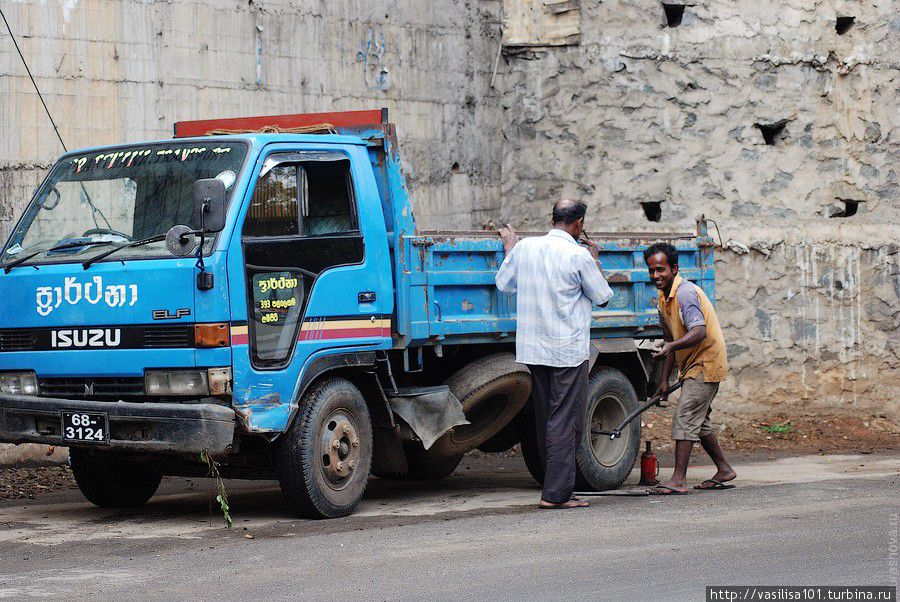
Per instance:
(93,292)
(130,157)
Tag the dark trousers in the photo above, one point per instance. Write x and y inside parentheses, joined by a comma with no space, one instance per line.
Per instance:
(559,395)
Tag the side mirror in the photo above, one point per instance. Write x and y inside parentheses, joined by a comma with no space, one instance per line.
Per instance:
(209,205)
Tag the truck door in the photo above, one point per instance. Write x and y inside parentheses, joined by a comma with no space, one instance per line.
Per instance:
(311,279)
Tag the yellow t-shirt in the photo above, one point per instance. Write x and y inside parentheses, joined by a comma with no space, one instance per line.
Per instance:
(685,307)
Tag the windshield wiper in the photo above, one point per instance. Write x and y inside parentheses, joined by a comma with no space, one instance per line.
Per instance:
(135,243)
(63,247)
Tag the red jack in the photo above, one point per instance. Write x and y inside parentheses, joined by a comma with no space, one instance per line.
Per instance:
(649,467)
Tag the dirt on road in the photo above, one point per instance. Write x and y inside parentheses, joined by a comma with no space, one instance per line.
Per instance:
(744,438)
(784,432)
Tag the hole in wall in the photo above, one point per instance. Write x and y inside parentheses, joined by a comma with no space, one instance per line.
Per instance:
(844,208)
(843,24)
(454,169)
(771,132)
(652,210)
(674,13)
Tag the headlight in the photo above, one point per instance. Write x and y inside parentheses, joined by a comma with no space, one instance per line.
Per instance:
(18,383)
(176,382)
(205,381)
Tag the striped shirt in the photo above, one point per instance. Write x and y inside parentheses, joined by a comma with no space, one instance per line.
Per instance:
(555,280)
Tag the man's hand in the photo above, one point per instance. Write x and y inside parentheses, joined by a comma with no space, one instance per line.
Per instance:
(593,249)
(662,390)
(509,237)
(665,351)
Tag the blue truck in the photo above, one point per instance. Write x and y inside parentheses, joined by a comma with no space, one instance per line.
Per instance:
(255,292)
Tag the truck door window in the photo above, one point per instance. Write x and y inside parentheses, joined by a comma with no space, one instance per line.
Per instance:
(305,199)
(327,197)
(300,222)
(274,209)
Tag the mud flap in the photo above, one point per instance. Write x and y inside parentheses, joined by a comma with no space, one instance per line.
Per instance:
(429,411)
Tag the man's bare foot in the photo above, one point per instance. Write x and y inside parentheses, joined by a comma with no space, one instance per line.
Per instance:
(715,482)
(545,505)
(670,488)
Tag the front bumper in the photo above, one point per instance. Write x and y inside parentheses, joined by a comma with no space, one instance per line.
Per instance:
(174,428)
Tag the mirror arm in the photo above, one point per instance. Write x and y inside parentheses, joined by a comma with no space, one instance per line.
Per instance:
(205,280)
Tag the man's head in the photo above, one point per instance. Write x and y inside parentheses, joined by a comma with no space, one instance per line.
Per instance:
(662,263)
(568,215)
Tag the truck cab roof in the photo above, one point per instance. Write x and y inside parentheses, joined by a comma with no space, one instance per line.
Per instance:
(256,140)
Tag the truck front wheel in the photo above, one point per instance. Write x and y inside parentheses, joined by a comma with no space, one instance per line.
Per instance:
(325,456)
(111,482)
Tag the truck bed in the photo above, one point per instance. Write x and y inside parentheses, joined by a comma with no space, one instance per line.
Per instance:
(446,292)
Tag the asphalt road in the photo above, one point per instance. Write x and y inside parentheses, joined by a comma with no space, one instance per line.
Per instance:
(808,520)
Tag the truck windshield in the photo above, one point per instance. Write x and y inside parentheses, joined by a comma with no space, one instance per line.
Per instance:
(118,195)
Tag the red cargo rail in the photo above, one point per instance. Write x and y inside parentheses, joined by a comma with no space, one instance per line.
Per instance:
(341,122)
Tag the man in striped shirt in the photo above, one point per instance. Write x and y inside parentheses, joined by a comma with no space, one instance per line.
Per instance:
(556,281)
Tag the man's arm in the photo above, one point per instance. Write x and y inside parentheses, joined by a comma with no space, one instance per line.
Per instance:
(506,275)
(593,283)
(668,362)
(690,338)
(695,323)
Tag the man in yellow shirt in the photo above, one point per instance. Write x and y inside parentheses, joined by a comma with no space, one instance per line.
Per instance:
(694,339)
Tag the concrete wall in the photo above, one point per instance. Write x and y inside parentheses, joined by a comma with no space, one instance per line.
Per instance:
(639,111)
(125,70)
(635,112)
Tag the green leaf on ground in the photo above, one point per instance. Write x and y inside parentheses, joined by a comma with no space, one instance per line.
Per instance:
(778,428)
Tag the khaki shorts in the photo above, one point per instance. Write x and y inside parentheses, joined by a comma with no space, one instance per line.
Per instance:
(691,420)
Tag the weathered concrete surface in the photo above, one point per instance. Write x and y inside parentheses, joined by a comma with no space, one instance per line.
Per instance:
(637,112)
(642,112)
(125,70)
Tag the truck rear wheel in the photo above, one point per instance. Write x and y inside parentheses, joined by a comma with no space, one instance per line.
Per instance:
(603,463)
(111,482)
(325,456)
(528,443)
(502,441)
(492,391)
(600,463)
(425,466)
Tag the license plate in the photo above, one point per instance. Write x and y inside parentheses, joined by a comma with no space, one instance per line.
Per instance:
(91,427)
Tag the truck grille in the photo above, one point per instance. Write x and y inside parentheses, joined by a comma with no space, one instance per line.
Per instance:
(91,388)
(148,336)
(174,336)
(17,340)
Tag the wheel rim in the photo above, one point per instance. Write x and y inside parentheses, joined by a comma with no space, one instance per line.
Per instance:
(606,414)
(340,449)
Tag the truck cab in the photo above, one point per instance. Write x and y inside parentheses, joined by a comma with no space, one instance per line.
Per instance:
(263,299)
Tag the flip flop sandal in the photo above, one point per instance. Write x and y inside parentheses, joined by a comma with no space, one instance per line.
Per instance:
(562,506)
(658,490)
(717,485)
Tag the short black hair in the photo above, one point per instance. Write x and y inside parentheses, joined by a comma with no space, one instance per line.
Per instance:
(664,248)
(567,211)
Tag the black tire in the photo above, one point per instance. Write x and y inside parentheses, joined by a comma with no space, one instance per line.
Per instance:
(421,464)
(492,390)
(528,443)
(324,457)
(607,386)
(111,482)
(502,441)
(603,464)
(425,466)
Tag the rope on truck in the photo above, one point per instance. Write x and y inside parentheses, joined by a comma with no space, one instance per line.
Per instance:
(318,128)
